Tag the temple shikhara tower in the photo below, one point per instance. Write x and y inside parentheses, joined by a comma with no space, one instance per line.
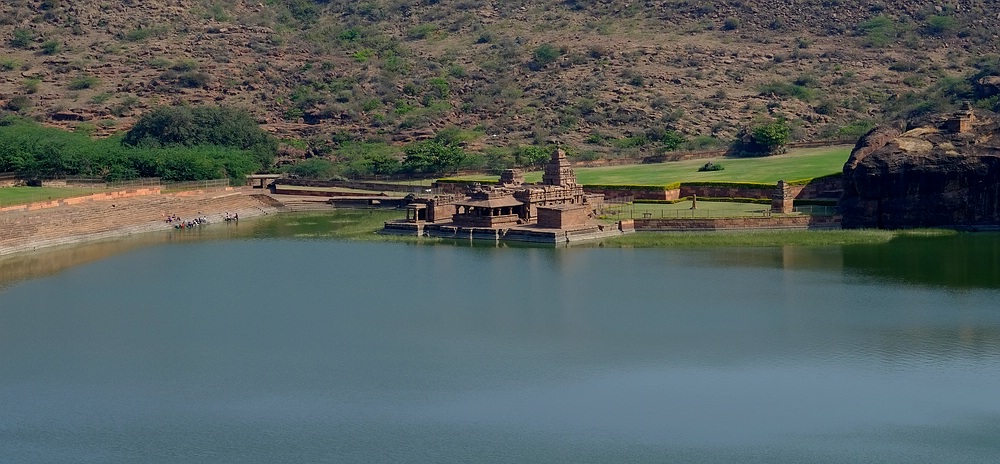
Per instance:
(557,210)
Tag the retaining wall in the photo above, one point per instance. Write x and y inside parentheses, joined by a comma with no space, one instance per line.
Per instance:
(773,222)
(105,196)
(356,185)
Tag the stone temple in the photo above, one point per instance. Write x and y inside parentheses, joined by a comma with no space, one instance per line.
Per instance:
(555,211)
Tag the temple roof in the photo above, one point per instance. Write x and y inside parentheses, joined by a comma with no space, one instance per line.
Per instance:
(497,202)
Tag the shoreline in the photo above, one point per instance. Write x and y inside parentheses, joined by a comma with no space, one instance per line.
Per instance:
(26,230)
(250,204)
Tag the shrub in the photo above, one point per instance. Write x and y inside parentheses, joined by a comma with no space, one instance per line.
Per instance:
(142,33)
(633,77)
(184,66)
(730,24)
(631,142)
(421,31)
(100,98)
(31,85)
(877,32)
(313,168)
(545,54)
(763,139)
(668,138)
(941,26)
(771,136)
(785,90)
(710,166)
(826,107)
(18,103)
(192,79)
(22,38)
(82,82)
(8,64)
(124,105)
(50,47)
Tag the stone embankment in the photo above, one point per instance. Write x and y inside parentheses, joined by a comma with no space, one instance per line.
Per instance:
(30,229)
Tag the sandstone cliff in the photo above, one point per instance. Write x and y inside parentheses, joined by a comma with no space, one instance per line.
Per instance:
(943,171)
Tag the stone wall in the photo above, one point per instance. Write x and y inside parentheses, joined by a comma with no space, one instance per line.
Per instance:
(562,217)
(726,192)
(280,190)
(104,196)
(774,222)
(357,185)
(823,188)
(638,194)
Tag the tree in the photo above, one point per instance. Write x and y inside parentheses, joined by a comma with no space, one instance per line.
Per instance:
(531,156)
(203,126)
(771,137)
(432,157)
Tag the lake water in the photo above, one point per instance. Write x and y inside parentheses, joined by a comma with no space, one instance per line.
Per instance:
(250,345)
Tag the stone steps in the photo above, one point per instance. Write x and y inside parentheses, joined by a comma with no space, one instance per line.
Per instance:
(119,217)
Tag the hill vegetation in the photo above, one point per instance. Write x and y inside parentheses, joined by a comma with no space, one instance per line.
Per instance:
(36,152)
(362,86)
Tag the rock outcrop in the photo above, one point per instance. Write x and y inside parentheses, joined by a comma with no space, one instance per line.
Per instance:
(943,171)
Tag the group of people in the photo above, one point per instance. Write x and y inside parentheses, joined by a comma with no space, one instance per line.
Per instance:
(179,223)
(182,224)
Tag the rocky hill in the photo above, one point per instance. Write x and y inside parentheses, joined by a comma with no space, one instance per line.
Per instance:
(603,76)
(942,172)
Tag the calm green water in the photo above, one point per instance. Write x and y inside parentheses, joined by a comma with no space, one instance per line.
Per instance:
(247,344)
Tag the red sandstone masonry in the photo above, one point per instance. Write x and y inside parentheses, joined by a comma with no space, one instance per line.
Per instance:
(726,192)
(106,196)
(773,222)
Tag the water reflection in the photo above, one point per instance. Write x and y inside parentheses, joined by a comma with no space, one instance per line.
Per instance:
(965,260)
(319,350)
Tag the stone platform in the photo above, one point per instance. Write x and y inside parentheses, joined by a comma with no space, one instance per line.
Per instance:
(529,234)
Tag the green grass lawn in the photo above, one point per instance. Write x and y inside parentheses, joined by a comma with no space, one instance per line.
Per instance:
(683,209)
(797,164)
(22,195)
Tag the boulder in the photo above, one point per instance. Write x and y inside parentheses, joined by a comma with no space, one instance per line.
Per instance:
(938,173)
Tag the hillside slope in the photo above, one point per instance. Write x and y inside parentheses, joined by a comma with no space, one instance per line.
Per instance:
(585,72)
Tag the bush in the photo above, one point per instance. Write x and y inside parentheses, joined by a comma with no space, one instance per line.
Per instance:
(877,32)
(142,33)
(826,107)
(771,136)
(941,26)
(82,82)
(31,85)
(313,168)
(786,90)
(50,47)
(202,126)
(544,54)
(22,38)
(856,129)
(192,80)
(18,103)
(8,64)
(710,166)
(421,31)
(763,139)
